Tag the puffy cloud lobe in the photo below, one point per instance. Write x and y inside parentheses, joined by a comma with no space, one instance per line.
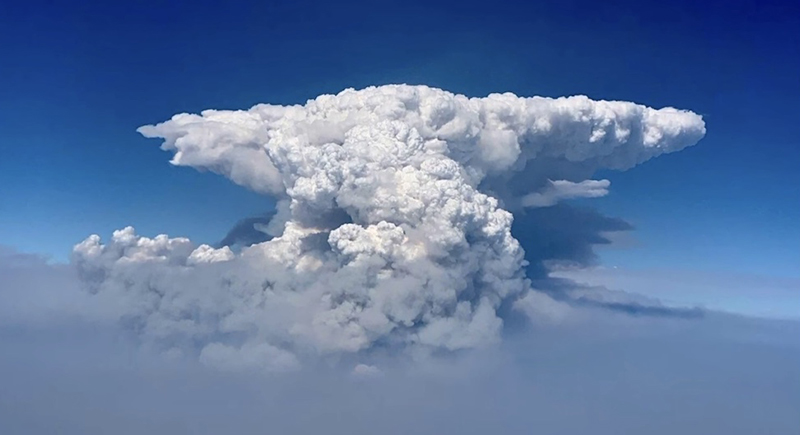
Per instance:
(491,134)
(385,232)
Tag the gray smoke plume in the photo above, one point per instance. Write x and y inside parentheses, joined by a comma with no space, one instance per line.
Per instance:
(393,227)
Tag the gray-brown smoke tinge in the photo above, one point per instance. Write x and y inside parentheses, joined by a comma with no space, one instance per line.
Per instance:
(393,225)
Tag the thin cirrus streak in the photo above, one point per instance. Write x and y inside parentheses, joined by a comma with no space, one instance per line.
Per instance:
(393,223)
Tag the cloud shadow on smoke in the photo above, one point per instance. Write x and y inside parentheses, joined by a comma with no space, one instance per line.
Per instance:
(638,309)
(263,228)
(248,231)
(562,233)
(565,234)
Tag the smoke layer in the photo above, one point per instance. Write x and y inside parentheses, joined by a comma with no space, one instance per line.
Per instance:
(393,228)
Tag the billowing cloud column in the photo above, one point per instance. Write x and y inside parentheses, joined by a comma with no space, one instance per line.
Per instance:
(391,229)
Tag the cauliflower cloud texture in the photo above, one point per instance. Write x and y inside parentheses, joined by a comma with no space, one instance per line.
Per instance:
(393,225)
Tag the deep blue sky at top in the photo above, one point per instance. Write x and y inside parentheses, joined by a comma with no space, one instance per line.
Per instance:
(77,78)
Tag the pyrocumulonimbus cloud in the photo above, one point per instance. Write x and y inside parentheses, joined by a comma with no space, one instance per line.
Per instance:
(393,226)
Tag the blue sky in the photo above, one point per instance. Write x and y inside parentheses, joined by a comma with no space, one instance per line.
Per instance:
(77,79)
(716,225)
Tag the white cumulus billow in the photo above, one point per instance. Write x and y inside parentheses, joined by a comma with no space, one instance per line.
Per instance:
(391,230)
